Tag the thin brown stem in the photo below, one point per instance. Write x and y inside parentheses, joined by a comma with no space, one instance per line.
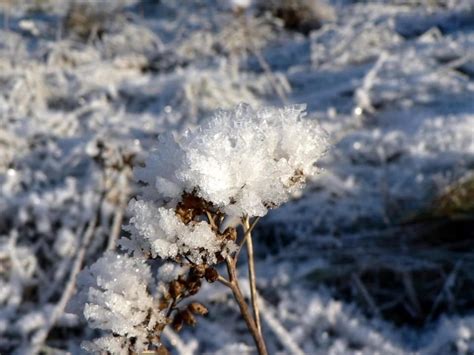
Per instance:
(233,284)
(252,276)
(171,307)
(212,222)
(119,213)
(224,281)
(245,237)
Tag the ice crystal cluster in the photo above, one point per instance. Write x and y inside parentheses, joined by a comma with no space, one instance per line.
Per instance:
(117,296)
(241,162)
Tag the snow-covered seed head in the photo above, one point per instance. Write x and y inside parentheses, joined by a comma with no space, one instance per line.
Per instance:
(200,185)
(116,298)
(243,161)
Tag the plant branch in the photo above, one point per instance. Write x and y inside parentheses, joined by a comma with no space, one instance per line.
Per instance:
(233,284)
(171,307)
(224,281)
(244,238)
(252,277)
(211,220)
(116,227)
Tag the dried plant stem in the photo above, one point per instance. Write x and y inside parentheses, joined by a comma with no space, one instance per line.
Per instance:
(212,222)
(233,284)
(244,238)
(122,184)
(118,216)
(224,281)
(252,277)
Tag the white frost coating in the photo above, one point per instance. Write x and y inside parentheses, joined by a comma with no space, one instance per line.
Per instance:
(117,300)
(243,160)
(159,231)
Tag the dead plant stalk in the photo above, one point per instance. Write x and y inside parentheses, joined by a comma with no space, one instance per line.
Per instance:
(253,323)
(233,284)
(252,276)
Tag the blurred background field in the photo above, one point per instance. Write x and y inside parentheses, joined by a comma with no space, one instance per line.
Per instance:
(376,256)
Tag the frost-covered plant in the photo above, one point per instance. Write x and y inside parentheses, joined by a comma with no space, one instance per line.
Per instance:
(120,301)
(243,161)
(198,189)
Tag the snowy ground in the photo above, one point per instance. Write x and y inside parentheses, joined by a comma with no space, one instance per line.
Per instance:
(349,266)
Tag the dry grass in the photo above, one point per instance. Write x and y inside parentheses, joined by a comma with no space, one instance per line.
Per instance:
(299,15)
(87,21)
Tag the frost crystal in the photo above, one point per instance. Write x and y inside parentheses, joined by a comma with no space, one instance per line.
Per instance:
(243,161)
(165,235)
(117,299)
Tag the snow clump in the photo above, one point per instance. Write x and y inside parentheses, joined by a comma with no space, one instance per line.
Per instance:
(163,234)
(243,161)
(117,298)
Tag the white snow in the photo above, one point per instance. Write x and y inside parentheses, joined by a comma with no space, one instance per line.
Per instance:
(117,298)
(390,81)
(160,232)
(243,161)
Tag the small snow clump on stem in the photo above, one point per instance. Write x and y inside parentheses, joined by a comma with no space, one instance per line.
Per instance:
(116,294)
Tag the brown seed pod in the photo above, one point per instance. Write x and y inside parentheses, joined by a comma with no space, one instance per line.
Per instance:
(176,288)
(192,278)
(198,270)
(193,287)
(188,317)
(178,322)
(191,201)
(232,234)
(219,257)
(211,274)
(158,328)
(198,308)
